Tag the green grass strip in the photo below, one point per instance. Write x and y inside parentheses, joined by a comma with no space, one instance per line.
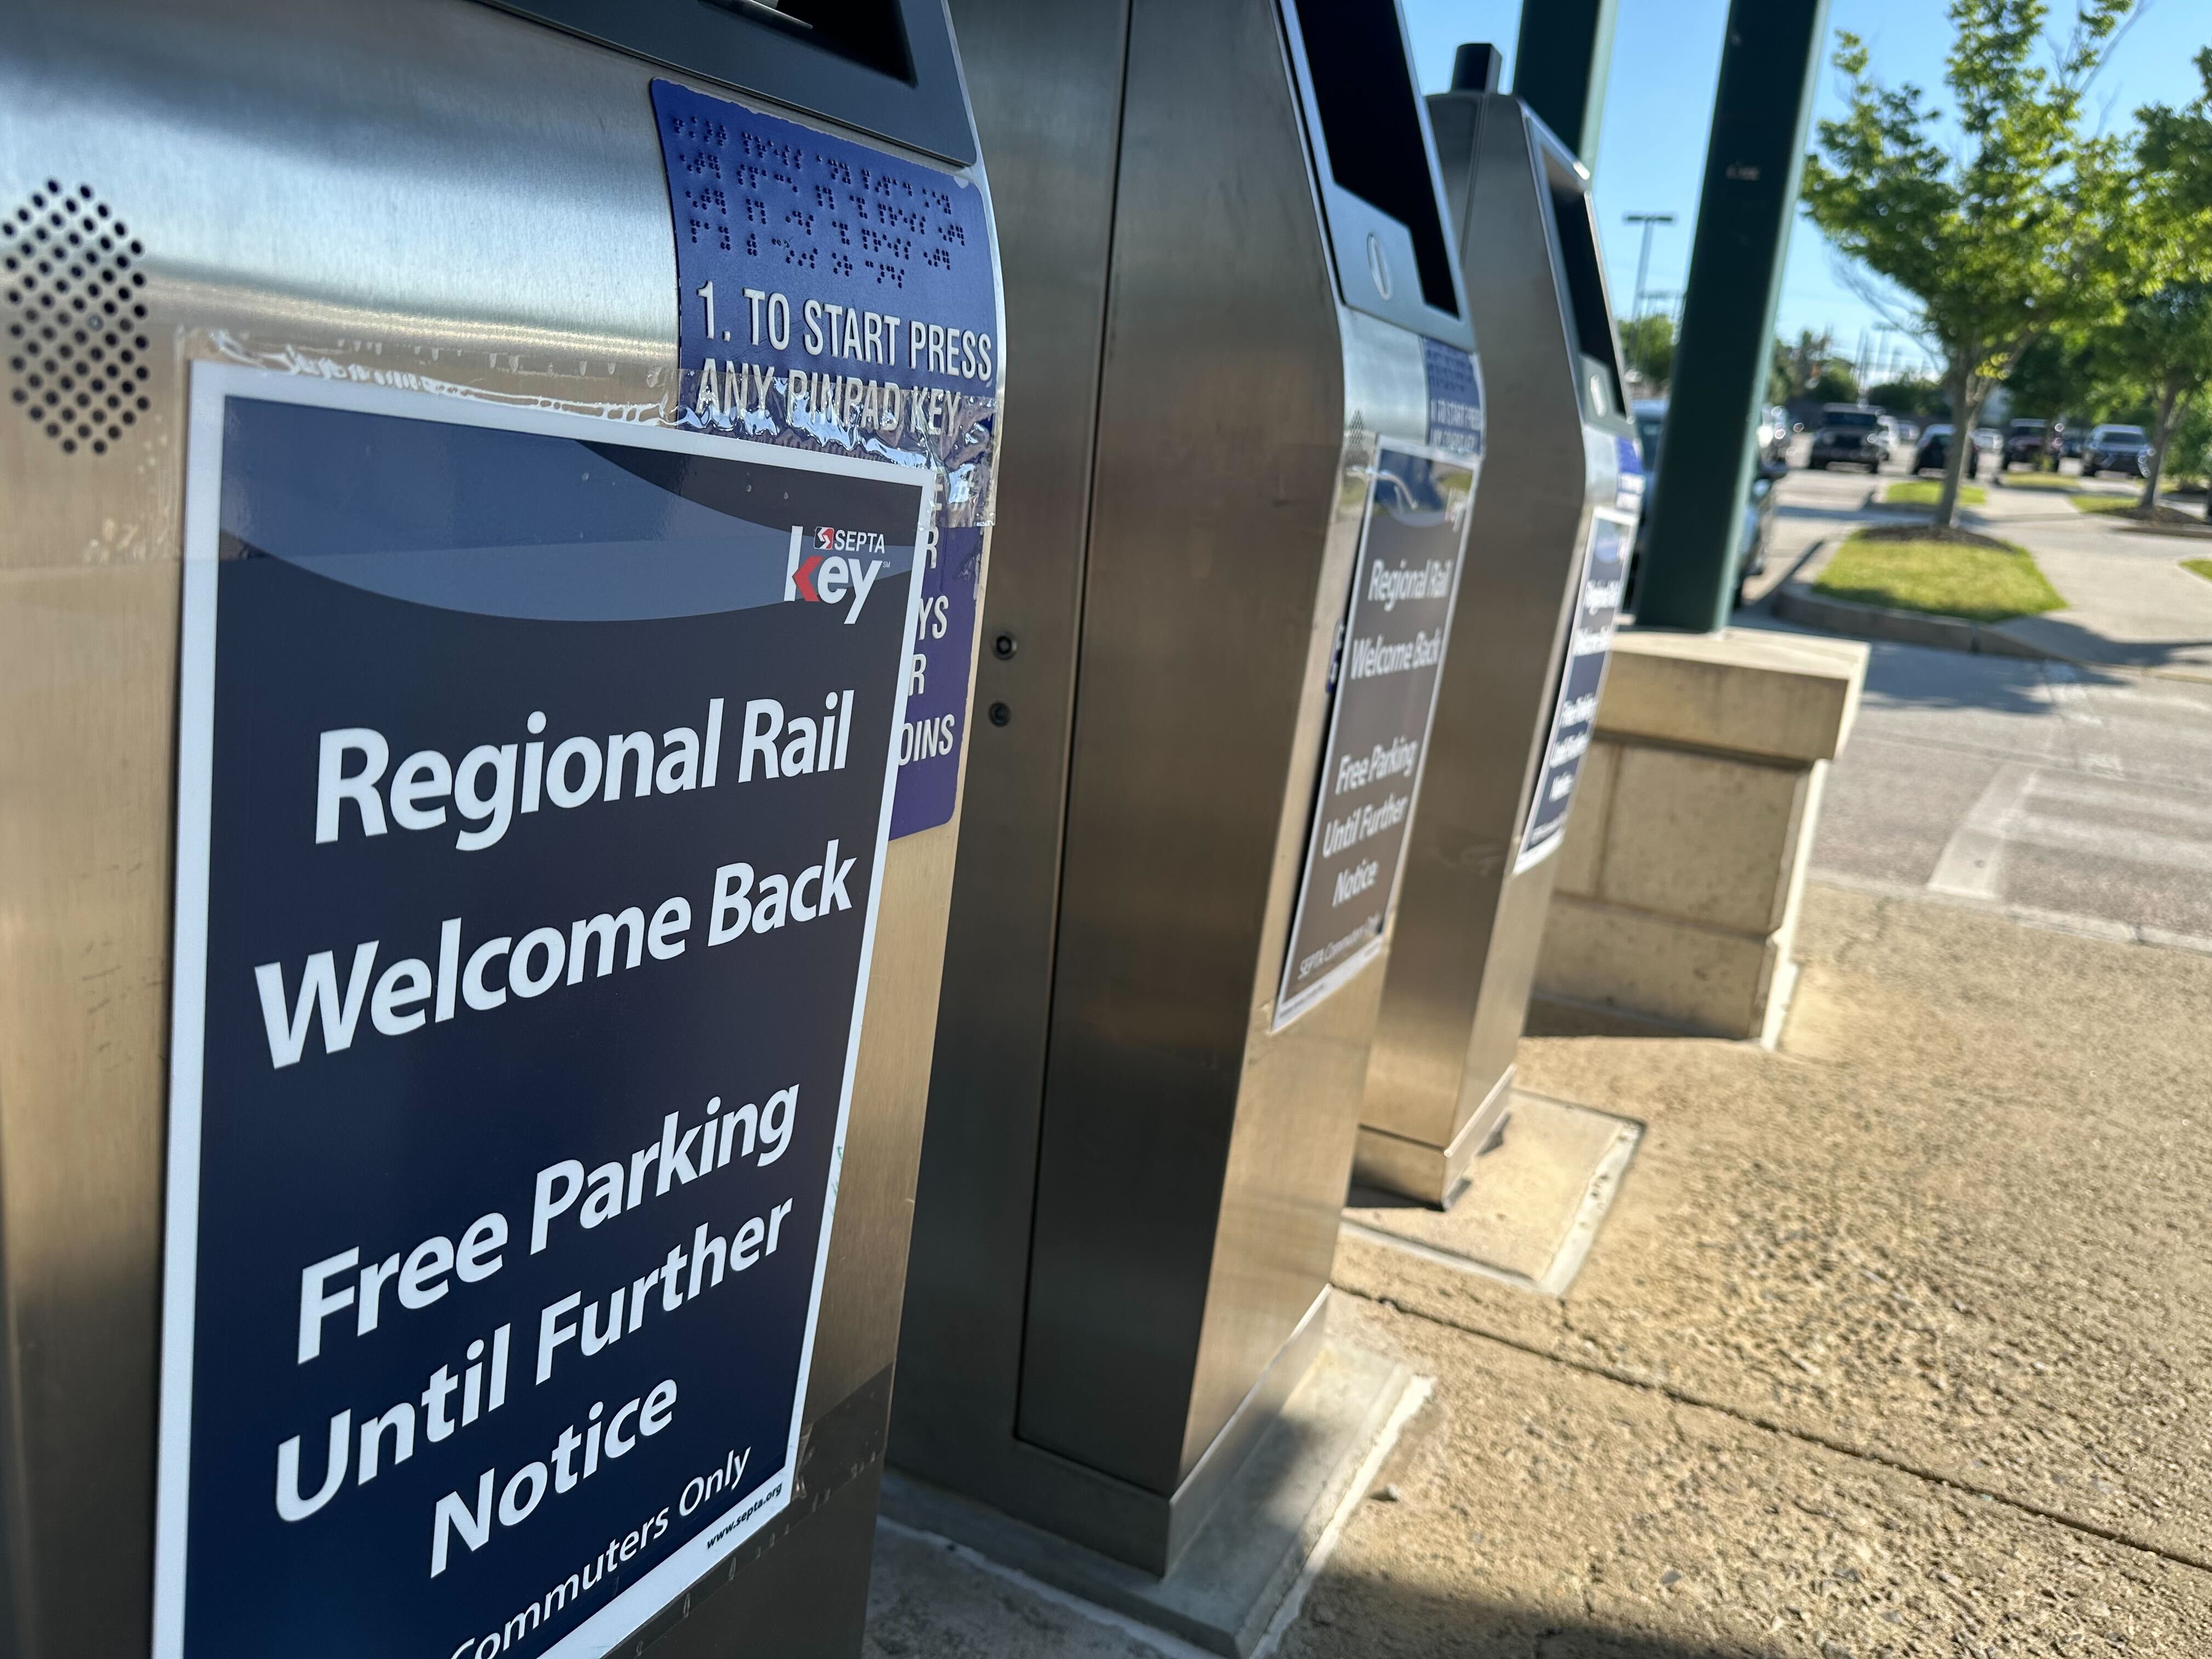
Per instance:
(2040,480)
(1925,492)
(2200,566)
(1940,578)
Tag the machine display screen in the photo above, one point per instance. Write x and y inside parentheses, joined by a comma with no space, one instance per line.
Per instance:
(1371,121)
(534,783)
(1574,711)
(1404,584)
(1589,314)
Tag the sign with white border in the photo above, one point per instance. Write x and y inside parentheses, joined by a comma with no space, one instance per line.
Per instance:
(1601,577)
(530,840)
(1413,540)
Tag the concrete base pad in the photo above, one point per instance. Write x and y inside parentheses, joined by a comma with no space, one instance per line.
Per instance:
(1434,1175)
(1534,1199)
(1241,1575)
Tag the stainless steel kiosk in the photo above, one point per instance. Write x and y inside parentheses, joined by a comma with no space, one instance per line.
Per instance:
(494,498)
(1552,529)
(1244,361)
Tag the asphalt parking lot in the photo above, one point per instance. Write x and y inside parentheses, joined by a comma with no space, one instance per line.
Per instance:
(2071,792)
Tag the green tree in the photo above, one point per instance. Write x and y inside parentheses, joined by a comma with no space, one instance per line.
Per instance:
(1835,383)
(2057,376)
(1649,344)
(1993,233)
(2190,458)
(1914,395)
(1798,364)
(1809,368)
(2160,344)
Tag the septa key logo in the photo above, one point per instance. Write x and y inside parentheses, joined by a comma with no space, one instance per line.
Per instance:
(832,572)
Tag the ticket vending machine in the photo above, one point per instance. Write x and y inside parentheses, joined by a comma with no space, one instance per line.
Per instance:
(496,501)
(1236,507)
(1552,530)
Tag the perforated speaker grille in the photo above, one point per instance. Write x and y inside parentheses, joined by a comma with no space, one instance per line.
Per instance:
(77,316)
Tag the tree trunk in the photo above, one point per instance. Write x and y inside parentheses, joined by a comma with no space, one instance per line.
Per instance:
(1958,376)
(2172,405)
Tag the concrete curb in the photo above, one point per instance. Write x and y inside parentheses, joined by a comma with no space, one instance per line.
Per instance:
(2022,915)
(2184,532)
(1796,601)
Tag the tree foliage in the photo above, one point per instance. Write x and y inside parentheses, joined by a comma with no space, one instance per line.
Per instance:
(1993,222)
(2157,345)
(2189,455)
(1834,383)
(2056,377)
(1648,344)
(1810,369)
(1921,398)
(1801,362)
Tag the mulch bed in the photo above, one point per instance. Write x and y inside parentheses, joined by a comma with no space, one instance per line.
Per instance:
(1923,532)
(2161,514)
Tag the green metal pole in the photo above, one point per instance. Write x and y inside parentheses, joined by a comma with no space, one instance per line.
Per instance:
(1754,163)
(1559,66)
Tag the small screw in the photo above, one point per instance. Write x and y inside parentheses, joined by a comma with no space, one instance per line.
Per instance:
(1000,714)
(1003,646)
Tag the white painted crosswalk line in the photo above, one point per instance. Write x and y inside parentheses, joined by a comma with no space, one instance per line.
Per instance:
(2110,841)
(2095,792)
(1973,858)
(2063,689)
(1973,862)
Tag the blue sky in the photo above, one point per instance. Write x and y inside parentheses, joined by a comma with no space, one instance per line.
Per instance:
(1659,105)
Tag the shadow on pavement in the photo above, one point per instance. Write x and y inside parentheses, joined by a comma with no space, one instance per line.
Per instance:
(2082,646)
(1925,677)
(1358,1617)
(1806,510)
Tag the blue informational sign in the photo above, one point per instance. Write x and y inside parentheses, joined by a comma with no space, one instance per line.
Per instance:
(1603,573)
(836,298)
(534,784)
(1455,391)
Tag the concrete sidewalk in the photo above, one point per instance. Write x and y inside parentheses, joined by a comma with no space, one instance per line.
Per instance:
(1898,1340)
(2129,602)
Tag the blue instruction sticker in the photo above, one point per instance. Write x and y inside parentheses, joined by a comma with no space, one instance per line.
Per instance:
(1630,483)
(836,298)
(1455,394)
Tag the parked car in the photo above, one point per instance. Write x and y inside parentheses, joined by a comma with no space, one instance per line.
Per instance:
(1934,453)
(2026,443)
(2070,445)
(1858,435)
(2115,449)
(1989,443)
(1757,516)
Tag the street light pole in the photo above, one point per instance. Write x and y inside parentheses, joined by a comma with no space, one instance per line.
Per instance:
(1643,267)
